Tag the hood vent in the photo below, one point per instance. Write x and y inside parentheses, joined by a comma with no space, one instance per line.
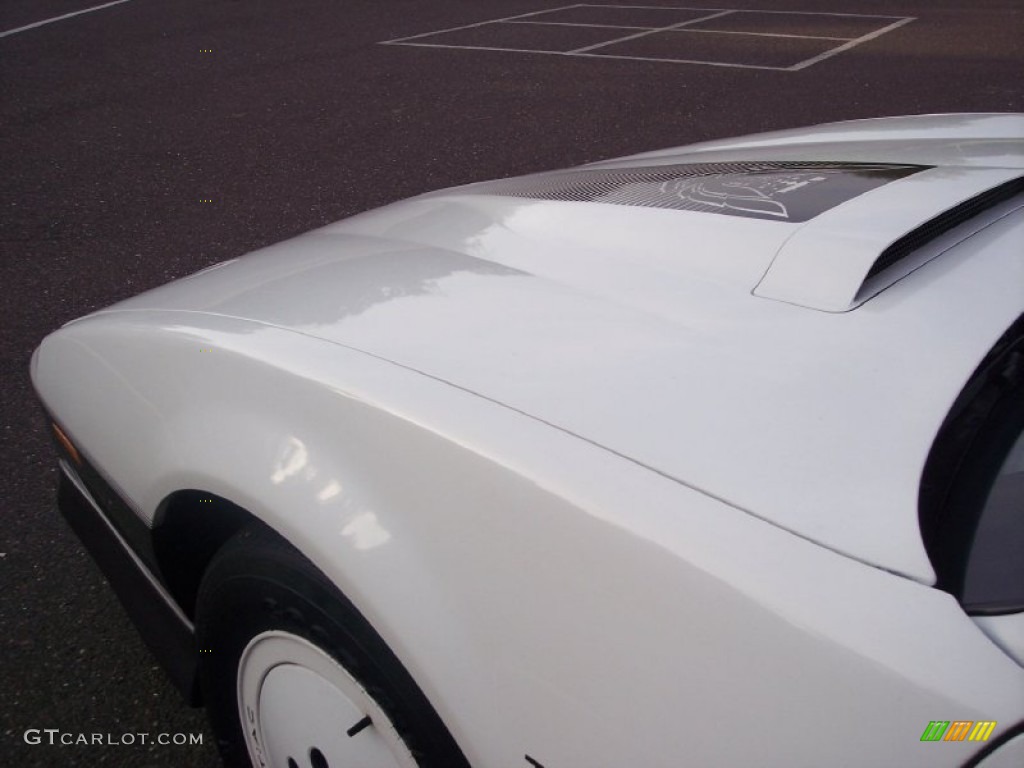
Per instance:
(851,252)
(944,222)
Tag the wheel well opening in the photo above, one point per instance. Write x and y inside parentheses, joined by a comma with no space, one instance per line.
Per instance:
(189,527)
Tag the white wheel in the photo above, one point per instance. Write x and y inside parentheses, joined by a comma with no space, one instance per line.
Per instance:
(293,676)
(301,708)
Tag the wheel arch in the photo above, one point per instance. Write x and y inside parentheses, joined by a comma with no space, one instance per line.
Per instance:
(189,527)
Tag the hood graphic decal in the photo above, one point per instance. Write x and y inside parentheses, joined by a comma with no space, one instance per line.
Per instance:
(780,191)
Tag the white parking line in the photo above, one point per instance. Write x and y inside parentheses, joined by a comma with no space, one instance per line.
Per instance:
(679,61)
(536,18)
(59,18)
(477,24)
(580,24)
(735,10)
(591,55)
(763,34)
(847,46)
(634,36)
(678,28)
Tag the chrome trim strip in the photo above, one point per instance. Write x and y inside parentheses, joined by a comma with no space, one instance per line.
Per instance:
(72,475)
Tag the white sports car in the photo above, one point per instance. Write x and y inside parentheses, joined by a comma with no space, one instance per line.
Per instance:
(710,456)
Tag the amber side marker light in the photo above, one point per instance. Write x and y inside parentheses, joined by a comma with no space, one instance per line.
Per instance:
(66,444)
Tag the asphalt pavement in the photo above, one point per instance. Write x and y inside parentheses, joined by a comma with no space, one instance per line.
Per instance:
(119,123)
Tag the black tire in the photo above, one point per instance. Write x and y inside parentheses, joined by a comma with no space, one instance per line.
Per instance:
(257,583)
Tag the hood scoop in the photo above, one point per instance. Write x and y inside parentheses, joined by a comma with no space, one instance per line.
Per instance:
(944,222)
(842,258)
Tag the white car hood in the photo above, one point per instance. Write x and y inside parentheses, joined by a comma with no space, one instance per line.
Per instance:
(634,328)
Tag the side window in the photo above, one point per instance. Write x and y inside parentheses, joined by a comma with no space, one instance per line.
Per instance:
(972,490)
(994,575)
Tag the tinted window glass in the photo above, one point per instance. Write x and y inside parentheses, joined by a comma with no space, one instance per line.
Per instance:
(995,567)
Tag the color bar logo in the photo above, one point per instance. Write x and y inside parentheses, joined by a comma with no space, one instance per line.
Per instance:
(958,730)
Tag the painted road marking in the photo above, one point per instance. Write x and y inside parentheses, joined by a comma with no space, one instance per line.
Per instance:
(471,26)
(637,31)
(60,18)
(670,29)
(635,35)
(851,44)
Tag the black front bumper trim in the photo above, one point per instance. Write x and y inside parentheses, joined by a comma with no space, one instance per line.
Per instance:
(165,629)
